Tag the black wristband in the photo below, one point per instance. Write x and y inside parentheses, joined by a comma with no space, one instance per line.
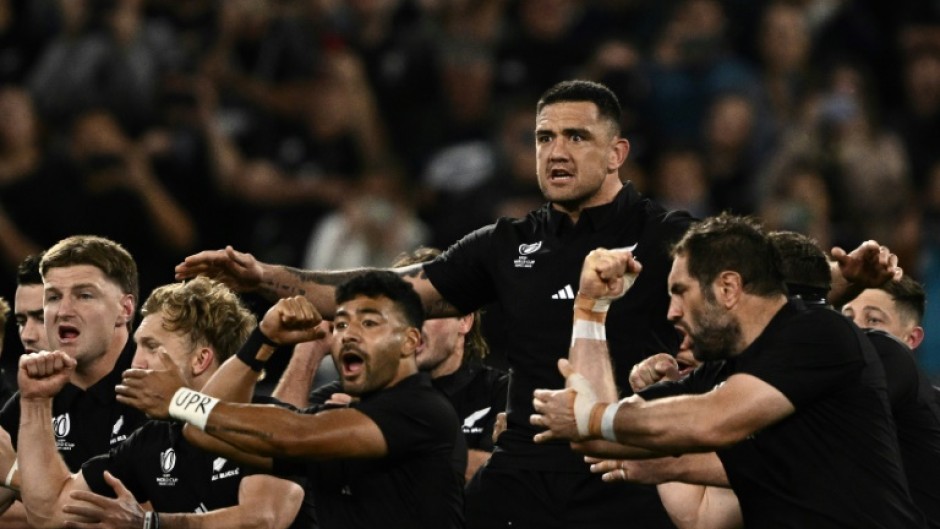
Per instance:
(249,351)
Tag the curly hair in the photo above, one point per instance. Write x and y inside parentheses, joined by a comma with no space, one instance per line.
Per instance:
(205,310)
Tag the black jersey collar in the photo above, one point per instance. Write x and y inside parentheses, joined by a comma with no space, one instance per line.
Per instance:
(597,217)
(454,382)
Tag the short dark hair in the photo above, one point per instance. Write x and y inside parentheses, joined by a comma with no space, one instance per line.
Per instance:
(577,90)
(909,297)
(475,346)
(111,258)
(731,242)
(27,273)
(804,266)
(383,283)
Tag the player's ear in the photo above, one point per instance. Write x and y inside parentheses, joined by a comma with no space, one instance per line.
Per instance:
(466,323)
(915,337)
(127,310)
(202,360)
(411,341)
(728,288)
(617,154)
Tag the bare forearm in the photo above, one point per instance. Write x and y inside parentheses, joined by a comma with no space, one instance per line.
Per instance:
(45,480)
(236,517)
(235,380)
(263,502)
(592,359)
(609,450)
(700,507)
(207,442)
(668,426)
(320,286)
(271,431)
(841,291)
(294,385)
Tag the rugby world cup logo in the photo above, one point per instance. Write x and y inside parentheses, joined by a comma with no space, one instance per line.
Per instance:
(167,460)
(62,425)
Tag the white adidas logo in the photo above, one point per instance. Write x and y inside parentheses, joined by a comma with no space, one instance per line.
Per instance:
(565,293)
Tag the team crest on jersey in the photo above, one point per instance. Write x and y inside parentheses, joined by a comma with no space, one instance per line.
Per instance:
(525,250)
(167,464)
(472,425)
(116,435)
(217,467)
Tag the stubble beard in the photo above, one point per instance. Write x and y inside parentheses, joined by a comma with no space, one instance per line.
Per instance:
(717,336)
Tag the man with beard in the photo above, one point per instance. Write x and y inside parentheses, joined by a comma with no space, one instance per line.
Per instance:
(385,461)
(800,397)
(890,315)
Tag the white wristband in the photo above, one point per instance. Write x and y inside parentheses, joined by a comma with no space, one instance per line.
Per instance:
(607,422)
(7,482)
(589,330)
(191,406)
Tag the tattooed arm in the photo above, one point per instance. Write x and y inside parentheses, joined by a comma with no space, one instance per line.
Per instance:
(242,272)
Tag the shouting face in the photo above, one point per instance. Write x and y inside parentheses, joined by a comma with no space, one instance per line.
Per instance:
(371,343)
(715,333)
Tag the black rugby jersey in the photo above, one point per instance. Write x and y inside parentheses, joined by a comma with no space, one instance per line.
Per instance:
(531,267)
(86,423)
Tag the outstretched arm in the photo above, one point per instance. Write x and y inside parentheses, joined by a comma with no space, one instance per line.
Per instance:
(255,430)
(694,488)
(242,272)
(741,406)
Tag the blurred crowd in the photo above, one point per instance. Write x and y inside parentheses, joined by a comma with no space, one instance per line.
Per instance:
(331,133)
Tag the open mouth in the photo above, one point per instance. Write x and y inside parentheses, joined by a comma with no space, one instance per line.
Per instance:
(685,367)
(352,362)
(560,174)
(68,333)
